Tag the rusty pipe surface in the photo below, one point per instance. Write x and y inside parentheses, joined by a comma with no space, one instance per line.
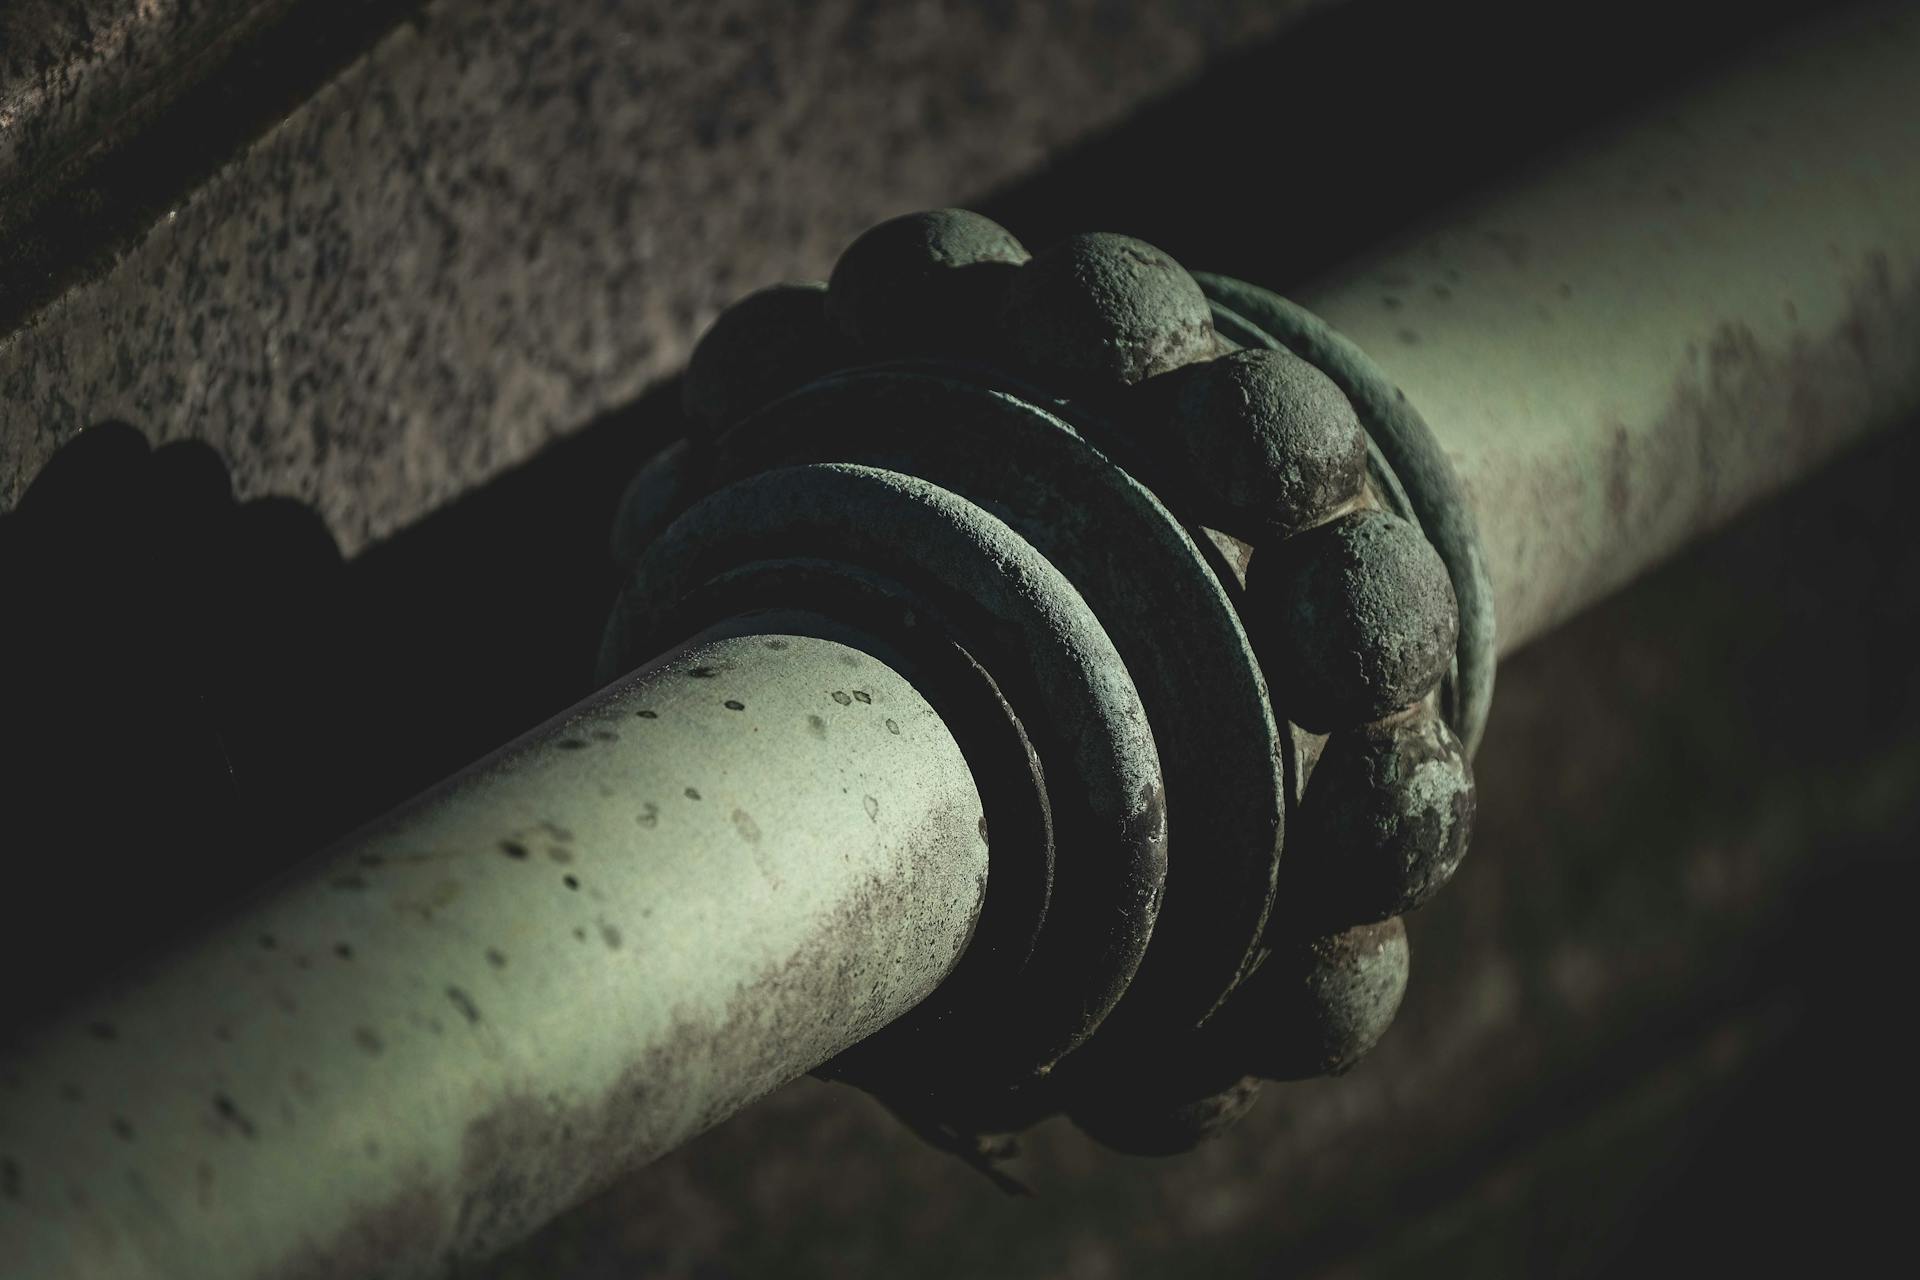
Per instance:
(1624,350)
(590,946)
(1617,354)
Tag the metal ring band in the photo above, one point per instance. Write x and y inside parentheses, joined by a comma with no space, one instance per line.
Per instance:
(1220,745)
(1087,722)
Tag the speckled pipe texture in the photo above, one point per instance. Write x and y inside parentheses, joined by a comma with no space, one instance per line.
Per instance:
(594,944)
(508,217)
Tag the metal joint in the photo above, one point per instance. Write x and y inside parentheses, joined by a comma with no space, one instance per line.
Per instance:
(1039,459)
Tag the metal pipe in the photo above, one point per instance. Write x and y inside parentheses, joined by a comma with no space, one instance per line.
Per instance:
(1622,352)
(619,930)
(603,939)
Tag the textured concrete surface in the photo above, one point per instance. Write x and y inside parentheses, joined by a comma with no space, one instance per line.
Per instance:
(70,69)
(511,216)
(113,111)
(1659,988)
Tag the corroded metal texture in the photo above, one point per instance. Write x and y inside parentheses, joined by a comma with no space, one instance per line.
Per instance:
(1039,640)
(1666,844)
(593,945)
(1221,751)
(1626,349)
(1098,309)
(1407,467)
(507,217)
(1361,625)
(1360,616)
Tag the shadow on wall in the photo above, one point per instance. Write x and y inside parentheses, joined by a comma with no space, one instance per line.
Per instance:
(169,702)
(199,691)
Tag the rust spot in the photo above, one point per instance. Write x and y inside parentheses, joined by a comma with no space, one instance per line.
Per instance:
(1619,473)
(233,1117)
(464,1003)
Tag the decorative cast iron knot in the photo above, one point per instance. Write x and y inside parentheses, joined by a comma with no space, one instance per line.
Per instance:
(1193,586)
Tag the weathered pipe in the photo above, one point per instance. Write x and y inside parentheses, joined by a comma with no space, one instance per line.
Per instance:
(618,931)
(586,949)
(1621,352)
